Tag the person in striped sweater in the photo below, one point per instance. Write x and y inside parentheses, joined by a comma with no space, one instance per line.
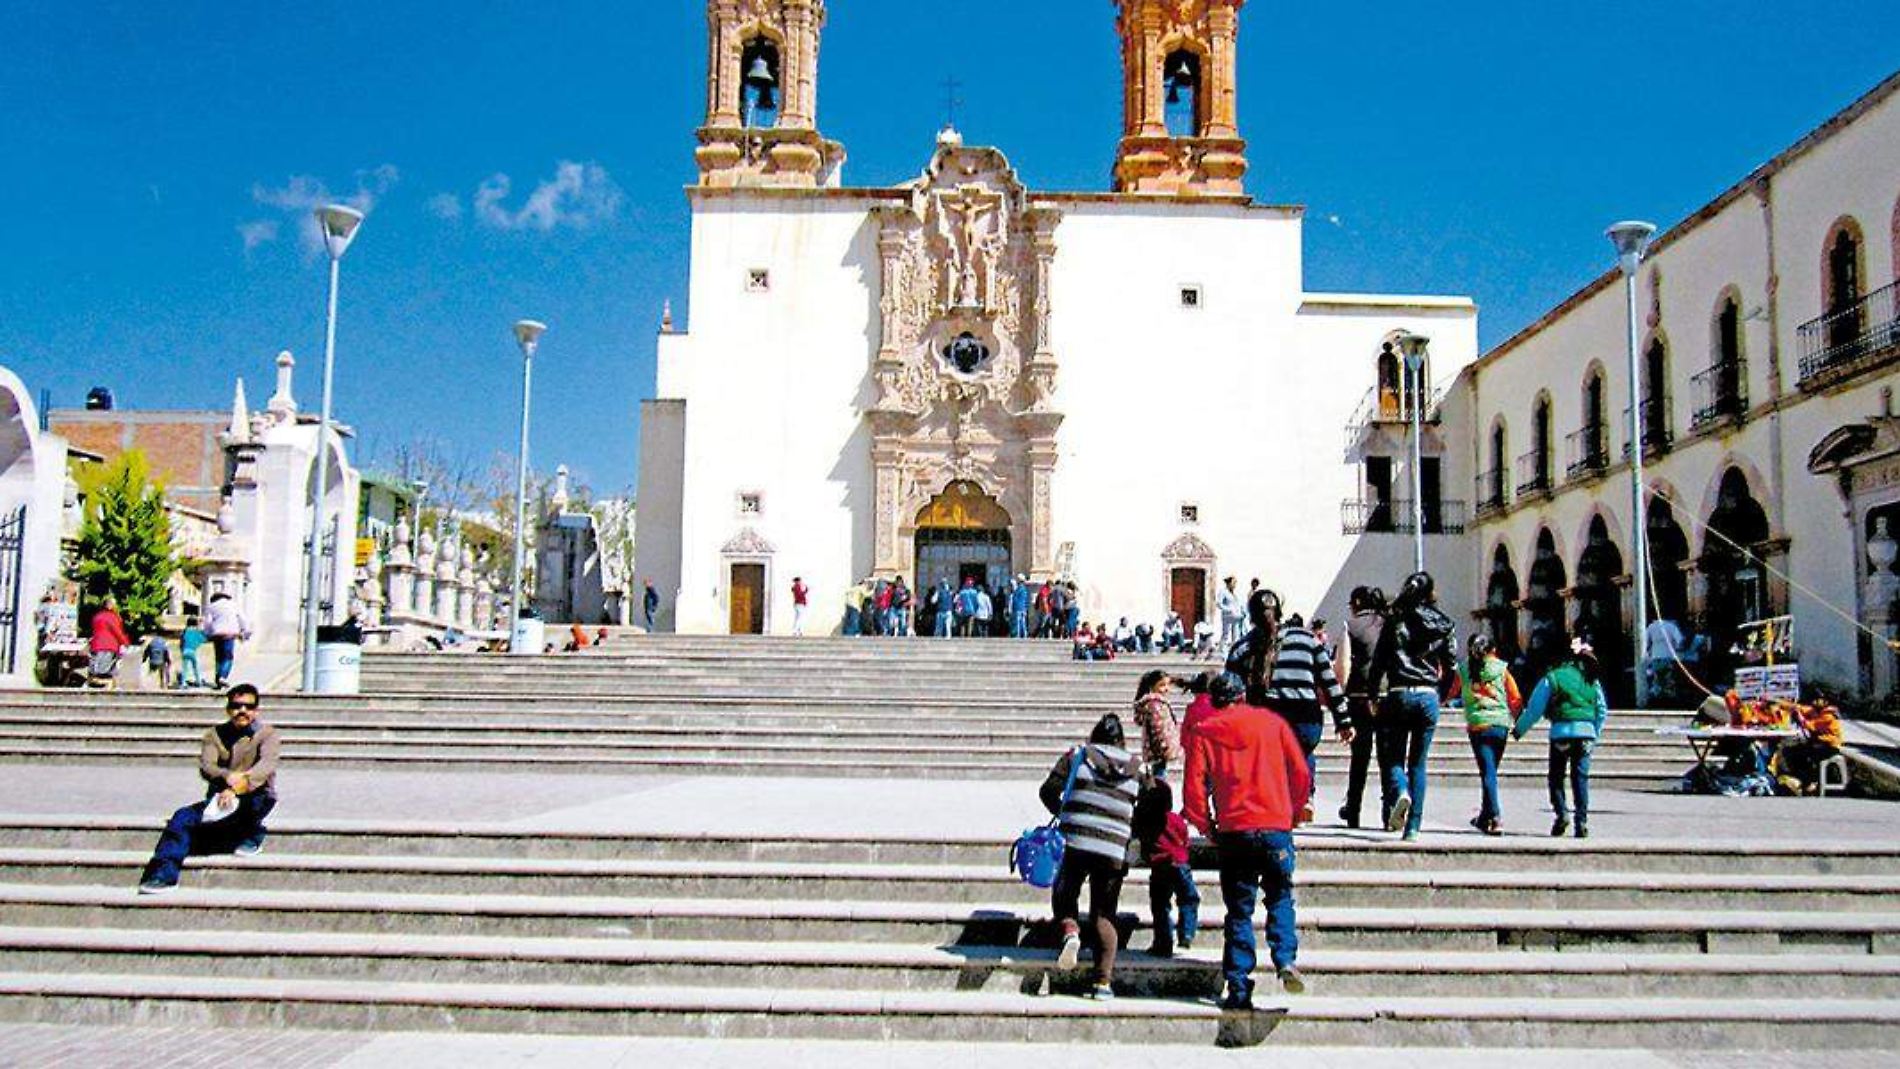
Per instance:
(1288,671)
(1096,815)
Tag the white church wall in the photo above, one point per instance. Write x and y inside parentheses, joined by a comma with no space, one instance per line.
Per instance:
(656,523)
(776,377)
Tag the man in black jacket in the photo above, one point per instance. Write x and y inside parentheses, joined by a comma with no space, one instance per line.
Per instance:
(1414,652)
(1362,637)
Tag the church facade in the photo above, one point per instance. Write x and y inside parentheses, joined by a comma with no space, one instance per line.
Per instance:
(961,377)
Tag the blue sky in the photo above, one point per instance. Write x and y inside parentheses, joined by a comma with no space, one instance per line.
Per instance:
(159,156)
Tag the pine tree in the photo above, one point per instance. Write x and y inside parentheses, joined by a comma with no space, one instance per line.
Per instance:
(125,542)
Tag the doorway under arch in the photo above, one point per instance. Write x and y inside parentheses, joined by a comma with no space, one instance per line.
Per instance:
(1544,603)
(963,533)
(1600,607)
(1737,584)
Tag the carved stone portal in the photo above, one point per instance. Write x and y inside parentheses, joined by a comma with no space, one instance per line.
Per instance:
(964,373)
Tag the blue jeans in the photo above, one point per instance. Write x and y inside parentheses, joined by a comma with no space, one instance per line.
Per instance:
(851,620)
(1405,742)
(186,835)
(1309,733)
(1488,747)
(1019,623)
(1571,757)
(1256,862)
(1174,884)
(226,651)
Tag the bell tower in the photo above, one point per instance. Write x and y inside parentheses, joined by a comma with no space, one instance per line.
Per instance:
(1179,134)
(762,96)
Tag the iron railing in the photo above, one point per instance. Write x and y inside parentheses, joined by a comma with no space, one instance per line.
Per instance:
(1357,517)
(1587,452)
(1852,338)
(1533,472)
(1657,436)
(1493,492)
(1721,393)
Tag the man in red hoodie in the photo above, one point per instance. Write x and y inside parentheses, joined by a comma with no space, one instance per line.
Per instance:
(1251,765)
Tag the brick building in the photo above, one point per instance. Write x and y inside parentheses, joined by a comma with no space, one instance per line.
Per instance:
(182,448)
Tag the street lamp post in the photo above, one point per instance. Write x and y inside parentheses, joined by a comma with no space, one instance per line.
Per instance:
(339,223)
(1632,244)
(528,335)
(1412,346)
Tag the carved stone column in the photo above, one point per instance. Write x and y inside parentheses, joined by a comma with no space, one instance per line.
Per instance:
(886,456)
(1223,33)
(1042,469)
(422,603)
(1041,372)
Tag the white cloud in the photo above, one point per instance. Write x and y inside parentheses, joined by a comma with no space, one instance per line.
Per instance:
(257,232)
(579,195)
(445,206)
(302,195)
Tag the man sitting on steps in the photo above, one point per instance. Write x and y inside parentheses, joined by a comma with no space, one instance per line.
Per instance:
(239,766)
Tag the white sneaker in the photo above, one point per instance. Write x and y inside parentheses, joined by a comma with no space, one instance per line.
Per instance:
(249,849)
(1071,951)
(1401,810)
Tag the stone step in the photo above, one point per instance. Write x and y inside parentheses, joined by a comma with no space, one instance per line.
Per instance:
(703,740)
(990,884)
(980,1016)
(1320,849)
(859,967)
(814,759)
(955,924)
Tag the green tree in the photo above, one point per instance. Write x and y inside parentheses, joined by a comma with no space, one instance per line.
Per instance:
(125,548)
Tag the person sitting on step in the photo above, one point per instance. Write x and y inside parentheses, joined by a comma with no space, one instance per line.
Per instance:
(239,765)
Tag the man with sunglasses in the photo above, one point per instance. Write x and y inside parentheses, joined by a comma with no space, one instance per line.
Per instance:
(239,766)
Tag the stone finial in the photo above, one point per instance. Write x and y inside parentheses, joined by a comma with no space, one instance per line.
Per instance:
(239,431)
(666,316)
(557,506)
(227,517)
(949,137)
(284,401)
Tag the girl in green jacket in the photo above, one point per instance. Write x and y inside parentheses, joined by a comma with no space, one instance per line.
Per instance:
(1491,701)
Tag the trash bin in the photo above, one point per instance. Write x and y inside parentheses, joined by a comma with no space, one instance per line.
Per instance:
(340,658)
(530,636)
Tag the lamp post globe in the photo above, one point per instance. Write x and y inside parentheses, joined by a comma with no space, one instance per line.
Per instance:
(528,336)
(339,224)
(1631,239)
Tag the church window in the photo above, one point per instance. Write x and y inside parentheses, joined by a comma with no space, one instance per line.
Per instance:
(1190,296)
(1190,513)
(1181,74)
(1842,286)
(966,353)
(758,280)
(751,503)
(759,82)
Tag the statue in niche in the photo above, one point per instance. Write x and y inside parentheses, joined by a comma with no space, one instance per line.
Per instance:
(966,353)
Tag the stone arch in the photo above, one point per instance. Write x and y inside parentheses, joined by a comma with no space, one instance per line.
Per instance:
(1599,600)
(31,488)
(1749,472)
(1501,596)
(1544,603)
(1736,587)
(1176,49)
(1668,558)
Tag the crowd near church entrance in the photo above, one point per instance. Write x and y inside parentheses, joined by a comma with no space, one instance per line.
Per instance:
(963,534)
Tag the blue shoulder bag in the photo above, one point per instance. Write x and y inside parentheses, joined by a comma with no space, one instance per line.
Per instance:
(1037,853)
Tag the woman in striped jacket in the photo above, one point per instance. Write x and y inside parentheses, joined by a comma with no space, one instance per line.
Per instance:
(1096,815)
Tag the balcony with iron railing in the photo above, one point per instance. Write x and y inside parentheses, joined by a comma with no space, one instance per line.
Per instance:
(1494,492)
(1587,453)
(1383,408)
(1359,517)
(1849,340)
(1721,395)
(1657,437)
(1533,473)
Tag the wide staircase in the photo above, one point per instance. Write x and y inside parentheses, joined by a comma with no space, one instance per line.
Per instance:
(698,705)
(1457,940)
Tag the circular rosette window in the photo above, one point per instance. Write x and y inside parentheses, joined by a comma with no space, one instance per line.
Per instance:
(966,355)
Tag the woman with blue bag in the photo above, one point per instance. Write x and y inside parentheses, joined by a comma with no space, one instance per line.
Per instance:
(1092,792)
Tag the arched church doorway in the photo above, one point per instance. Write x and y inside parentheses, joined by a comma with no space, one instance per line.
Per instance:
(746,599)
(963,533)
(1668,551)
